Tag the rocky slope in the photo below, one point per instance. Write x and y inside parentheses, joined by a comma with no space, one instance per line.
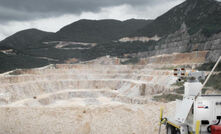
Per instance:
(181,41)
(202,16)
(194,25)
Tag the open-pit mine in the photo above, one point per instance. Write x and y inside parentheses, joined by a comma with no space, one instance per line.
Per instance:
(84,98)
(98,75)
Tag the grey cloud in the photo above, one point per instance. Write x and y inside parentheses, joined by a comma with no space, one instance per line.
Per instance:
(22,10)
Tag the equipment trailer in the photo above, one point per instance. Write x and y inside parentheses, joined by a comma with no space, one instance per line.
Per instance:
(196,113)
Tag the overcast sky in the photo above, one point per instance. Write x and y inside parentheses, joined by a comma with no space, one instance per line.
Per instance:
(51,15)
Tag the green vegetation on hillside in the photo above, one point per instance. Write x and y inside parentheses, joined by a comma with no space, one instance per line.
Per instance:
(215,79)
(214,82)
(11,62)
(117,49)
(98,30)
(198,15)
(180,90)
(209,66)
(208,21)
(24,39)
(167,97)
(27,58)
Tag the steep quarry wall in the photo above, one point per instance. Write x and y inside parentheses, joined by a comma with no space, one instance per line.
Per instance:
(82,99)
(181,42)
(192,59)
(197,57)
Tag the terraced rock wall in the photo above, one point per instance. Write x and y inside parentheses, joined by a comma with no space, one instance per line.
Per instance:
(82,99)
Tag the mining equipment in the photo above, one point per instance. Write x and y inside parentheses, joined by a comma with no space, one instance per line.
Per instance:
(196,113)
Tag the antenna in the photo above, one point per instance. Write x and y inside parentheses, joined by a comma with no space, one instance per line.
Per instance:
(214,67)
(211,72)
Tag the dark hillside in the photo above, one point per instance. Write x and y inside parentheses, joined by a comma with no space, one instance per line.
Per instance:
(199,15)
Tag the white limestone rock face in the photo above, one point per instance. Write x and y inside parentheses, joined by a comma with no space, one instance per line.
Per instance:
(82,99)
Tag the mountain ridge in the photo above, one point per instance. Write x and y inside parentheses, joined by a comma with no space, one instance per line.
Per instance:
(98,30)
(24,39)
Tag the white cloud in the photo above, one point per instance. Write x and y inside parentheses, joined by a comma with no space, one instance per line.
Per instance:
(121,12)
